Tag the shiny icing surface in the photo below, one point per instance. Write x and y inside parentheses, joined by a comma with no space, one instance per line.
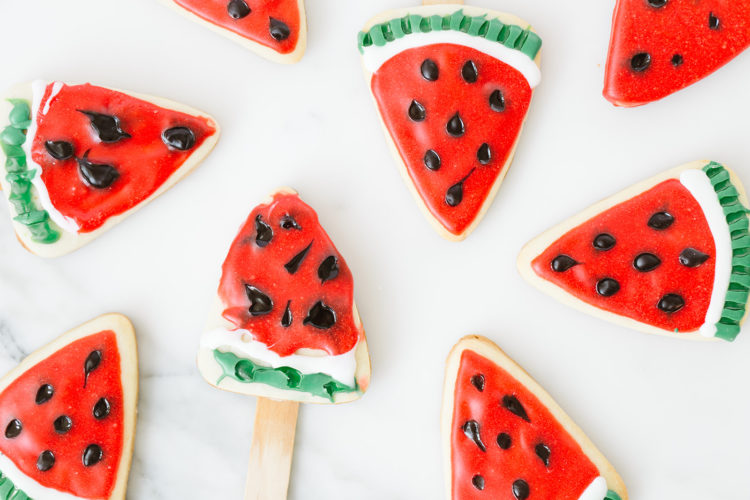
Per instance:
(278,282)
(496,453)
(657,48)
(272,23)
(120,158)
(63,443)
(460,124)
(668,295)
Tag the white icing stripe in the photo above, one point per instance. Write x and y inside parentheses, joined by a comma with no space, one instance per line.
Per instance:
(597,490)
(699,185)
(240,342)
(29,486)
(38,88)
(374,56)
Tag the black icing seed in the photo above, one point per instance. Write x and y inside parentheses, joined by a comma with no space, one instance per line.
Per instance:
(513,405)
(469,72)
(45,461)
(98,175)
(497,101)
(657,3)
(179,138)
(471,430)
(430,71)
(92,363)
(484,154)
(416,111)
(293,265)
(62,424)
(671,303)
(690,257)
(59,150)
(237,9)
(478,381)
(107,127)
(288,222)
(13,429)
(520,489)
(278,29)
(677,60)
(646,262)
(101,409)
(607,287)
(562,263)
(328,269)
(604,242)
(478,482)
(713,22)
(661,221)
(455,126)
(260,303)
(44,394)
(286,318)
(640,62)
(455,194)
(504,441)
(263,232)
(543,452)
(432,160)
(320,316)
(92,455)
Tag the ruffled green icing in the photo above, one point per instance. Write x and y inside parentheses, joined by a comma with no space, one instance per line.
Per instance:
(735,303)
(42,229)
(284,377)
(494,30)
(8,490)
(611,495)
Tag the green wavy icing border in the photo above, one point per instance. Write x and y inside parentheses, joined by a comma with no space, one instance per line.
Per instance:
(8,490)
(494,30)
(284,377)
(735,303)
(42,229)
(611,495)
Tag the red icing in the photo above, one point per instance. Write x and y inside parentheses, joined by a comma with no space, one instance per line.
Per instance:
(254,26)
(569,472)
(640,292)
(64,370)
(399,80)
(679,27)
(263,267)
(143,161)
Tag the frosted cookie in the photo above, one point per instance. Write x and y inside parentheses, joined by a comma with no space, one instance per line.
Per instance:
(285,324)
(67,415)
(452,86)
(276,30)
(505,438)
(670,255)
(658,47)
(80,158)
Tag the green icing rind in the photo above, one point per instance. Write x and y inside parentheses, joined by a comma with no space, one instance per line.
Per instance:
(287,378)
(42,229)
(8,490)
(611,495)
(735,303)
(494,30)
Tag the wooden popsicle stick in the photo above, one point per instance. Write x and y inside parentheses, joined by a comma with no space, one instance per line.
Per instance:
(271,450)
(438,2)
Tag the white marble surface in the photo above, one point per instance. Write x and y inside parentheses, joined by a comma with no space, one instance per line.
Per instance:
(672,416)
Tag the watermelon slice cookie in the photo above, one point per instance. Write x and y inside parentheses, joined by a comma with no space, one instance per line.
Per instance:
(80,158)
(504,437)
(670,255)
(273,29)
(67,416)
(285,324)
(452,88)
(658,47)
